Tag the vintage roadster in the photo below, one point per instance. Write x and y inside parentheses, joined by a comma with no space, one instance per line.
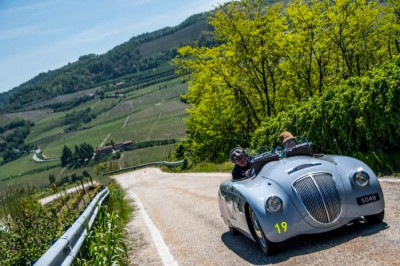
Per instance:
(294,192)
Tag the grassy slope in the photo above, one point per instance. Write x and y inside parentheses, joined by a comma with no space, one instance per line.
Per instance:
(154,112)
(150,112)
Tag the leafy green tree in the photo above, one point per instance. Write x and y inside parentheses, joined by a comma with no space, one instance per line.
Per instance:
(52,178)
(358,115)
(10,155)
(74,178)
(233,84)
(268,57)
(77,154)
(85,151)
(66,157)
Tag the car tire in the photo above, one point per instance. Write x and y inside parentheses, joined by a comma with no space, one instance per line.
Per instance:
(266,246)
(376,218)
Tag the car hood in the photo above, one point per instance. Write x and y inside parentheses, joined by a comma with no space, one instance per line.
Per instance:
(287,170)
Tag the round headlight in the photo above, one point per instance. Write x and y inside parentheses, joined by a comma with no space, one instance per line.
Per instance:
(361,179)
(273,204)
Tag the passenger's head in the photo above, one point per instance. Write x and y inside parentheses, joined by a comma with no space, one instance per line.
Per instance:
(238,156)
(287,139)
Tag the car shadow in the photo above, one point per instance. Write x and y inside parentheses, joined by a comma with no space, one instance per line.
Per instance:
(249,250)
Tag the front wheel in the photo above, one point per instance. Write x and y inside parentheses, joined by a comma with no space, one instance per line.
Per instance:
(266,246)
(376,218)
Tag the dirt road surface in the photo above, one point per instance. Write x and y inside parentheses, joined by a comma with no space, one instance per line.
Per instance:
(178,223)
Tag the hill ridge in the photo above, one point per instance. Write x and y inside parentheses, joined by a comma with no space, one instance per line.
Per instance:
(143,52)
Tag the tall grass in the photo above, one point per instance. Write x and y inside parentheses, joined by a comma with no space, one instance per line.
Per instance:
(27,228)
(105,243)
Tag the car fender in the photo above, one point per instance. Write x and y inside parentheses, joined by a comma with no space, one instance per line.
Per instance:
(281,225)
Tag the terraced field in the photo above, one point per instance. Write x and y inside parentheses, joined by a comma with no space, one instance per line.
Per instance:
(151,113)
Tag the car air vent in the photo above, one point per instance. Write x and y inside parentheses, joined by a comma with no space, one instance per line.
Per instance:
(320,196)
(302,166)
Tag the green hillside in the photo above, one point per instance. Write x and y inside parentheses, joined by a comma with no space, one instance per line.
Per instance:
(129,93)
(142,116)
(130,61)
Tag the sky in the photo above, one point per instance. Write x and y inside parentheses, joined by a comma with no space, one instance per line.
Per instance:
(41,35)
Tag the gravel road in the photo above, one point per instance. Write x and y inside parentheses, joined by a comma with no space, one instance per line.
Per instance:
(186,228)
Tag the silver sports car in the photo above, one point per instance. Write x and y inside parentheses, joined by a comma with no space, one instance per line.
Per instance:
(294,192)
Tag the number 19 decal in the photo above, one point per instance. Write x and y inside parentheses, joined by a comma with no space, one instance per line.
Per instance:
(281,227)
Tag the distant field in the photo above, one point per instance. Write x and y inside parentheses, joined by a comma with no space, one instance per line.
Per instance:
(151,113)
(33,115)
(150,154)
(38,179)
(174,40)
(4,120)
(18,171)
(61,98)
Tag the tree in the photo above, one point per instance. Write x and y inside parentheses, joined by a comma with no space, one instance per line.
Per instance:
(233,84)
(268,57)
(52,178)
(74,178)
(86,174)
(66,157)
(77,153)
(85,151)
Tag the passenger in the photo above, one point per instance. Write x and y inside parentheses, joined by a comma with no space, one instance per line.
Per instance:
(287,140)
(242,168)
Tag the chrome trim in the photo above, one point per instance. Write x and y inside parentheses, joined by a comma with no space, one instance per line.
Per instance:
(321,200)
(322,197)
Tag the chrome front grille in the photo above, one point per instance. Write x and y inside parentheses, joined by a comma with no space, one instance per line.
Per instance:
(320,196)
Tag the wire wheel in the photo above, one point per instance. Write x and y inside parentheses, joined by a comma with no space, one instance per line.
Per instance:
(266,246)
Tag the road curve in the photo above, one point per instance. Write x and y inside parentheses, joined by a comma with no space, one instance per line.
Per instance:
(183,210)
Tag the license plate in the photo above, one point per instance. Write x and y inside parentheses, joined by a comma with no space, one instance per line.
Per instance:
(367,199)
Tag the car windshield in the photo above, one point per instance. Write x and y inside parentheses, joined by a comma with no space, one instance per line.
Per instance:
(260,156)
(300,146)
(260,151)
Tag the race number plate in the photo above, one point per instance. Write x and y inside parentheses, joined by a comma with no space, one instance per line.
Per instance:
(367,199)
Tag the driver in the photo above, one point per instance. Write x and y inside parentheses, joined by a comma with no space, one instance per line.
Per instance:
(287,140)
(242,167)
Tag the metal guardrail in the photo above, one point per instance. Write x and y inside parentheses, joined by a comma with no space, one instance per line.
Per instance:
(169,164)
(65,249)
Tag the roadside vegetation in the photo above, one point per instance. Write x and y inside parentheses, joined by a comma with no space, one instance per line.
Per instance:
(106,243)
(27,228)
(325,70)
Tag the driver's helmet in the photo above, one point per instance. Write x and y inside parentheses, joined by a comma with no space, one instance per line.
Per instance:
(235,153)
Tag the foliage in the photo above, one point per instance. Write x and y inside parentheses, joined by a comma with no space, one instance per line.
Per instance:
(358,115)
(63,106)
(28,228)
(82,154)
(12,136)
(76,118)
(66,157)
(106,242)
(269,57)
(16,122)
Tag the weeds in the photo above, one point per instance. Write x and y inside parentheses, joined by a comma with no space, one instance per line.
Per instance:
(105,243)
